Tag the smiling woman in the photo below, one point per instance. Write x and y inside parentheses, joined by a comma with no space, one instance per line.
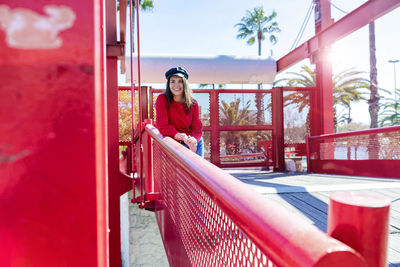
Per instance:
(178,113)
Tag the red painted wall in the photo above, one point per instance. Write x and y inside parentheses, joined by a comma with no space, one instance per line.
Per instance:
(52,198)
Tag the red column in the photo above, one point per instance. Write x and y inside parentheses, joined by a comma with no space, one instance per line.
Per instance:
(361,221)
(214,123)
(117,184)
(279,140)
(53,208)
(323,96)
(148,162)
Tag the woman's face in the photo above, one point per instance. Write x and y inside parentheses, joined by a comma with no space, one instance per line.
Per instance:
(176,85)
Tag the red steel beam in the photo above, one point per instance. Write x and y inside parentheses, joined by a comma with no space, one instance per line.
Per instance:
(356,19)
(266,127)
(244,164)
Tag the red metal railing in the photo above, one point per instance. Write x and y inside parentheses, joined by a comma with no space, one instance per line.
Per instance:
(373,152)
(217,133)
(209,218)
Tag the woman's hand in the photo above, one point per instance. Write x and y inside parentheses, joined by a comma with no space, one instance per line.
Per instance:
(192,143)
(181,137)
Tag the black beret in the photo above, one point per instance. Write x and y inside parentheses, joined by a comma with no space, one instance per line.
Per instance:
(178,71)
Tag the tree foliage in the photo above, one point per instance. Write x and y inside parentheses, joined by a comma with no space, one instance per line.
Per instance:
(256,25)
(348,87)
(231,114)
(390,112)
(125,115)
(145,5)
(238,142)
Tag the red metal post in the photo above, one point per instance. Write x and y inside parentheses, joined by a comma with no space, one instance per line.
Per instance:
(132,88)
(148,161)
(278,134)
(362,222)
(53,198)
(144,104)
(214,123)
(117,183)
(140,122)
(323,101)
(151,104)
(308,153)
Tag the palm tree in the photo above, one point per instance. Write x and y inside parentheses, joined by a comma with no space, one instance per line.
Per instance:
(231,114)
(390,114)
(254,26)
(236,142)
(373,101)
(346,88)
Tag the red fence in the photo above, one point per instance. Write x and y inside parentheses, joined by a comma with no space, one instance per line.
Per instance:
(233,128)
(232,135)
(373,152)
(209,218)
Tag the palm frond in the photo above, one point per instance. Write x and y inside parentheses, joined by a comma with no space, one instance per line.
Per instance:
(251,40)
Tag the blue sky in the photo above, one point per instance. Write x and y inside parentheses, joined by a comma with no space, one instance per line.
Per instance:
(207,28)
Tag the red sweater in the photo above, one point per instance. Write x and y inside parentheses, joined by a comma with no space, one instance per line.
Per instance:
(174,119)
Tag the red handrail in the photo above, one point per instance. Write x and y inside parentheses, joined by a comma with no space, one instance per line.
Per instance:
(360,132)
(285,239)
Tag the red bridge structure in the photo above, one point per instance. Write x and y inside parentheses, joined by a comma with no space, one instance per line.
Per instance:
(61,176)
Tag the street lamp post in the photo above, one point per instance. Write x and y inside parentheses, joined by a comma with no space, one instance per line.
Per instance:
(394,73)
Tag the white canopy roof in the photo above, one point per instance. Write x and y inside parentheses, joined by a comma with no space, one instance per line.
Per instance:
(203,69)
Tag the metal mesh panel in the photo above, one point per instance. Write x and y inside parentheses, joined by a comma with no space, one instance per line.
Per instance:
(296,116)
(245,146)
(207,147)
(376,146)
(237,111)
(240,108)
(203,100)
(208,235)
(125,115)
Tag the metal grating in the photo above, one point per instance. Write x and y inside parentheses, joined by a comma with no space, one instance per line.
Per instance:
(240,108)
(372,152)
(208,235)
(376,146)
(239,114)
(246,146)
(297,116)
